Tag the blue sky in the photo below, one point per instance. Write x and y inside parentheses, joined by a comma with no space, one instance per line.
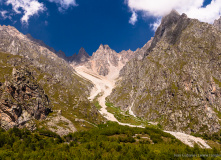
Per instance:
(68,25)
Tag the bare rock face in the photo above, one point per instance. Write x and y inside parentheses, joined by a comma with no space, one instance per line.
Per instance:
(107,62)
(102,59)
(22,100)
(78,59)
(217,24)
(82,56)
(178,82)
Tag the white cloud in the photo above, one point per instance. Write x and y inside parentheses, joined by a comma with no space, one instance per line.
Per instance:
(29,8)
(5,14)
(133,18)
(193,8)
(26,7)
(64,4)
(156,24)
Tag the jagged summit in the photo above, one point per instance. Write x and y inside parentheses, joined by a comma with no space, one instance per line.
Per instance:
(171,18)
(82,52)
(82,55)
(104,47)
(174,12)
(171,27)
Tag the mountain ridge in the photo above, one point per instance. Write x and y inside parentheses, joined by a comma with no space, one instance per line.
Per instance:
(66,91)
(160,73)
(177,83)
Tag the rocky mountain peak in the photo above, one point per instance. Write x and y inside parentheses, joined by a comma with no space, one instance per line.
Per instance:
(82,52)
(170,28)
(12,31)
(179,77)
(217,23)
(170,19)
(104,47)
(173,13)
(82,56)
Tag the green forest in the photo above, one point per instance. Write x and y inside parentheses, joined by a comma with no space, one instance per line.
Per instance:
(108,141)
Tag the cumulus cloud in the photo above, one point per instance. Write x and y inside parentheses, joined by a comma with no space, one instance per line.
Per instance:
(26,7)
(193,8)
(29,8)
(133,18)
(64,4)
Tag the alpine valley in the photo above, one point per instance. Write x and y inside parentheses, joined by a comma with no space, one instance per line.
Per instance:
(160,100)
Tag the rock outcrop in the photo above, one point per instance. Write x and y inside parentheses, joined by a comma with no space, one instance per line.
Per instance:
(178,82)
(22,100)
(217,24)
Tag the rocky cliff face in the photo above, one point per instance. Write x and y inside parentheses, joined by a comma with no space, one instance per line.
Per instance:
(22,100)
(65,90)
(103,59)
(178,82)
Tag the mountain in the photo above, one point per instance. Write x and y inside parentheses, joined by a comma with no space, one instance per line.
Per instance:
(178,82)
(82,56)
(103,60)
(106,61)
(172,83)
(44,80)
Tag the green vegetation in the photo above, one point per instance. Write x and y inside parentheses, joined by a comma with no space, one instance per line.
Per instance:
(218,113)
(97,105)
(108,141)
(5,68)
(217,81)
(95,101)
(124,117)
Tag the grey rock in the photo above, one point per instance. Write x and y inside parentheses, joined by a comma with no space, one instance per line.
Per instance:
(217,24)
(178,82)
(21,100)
